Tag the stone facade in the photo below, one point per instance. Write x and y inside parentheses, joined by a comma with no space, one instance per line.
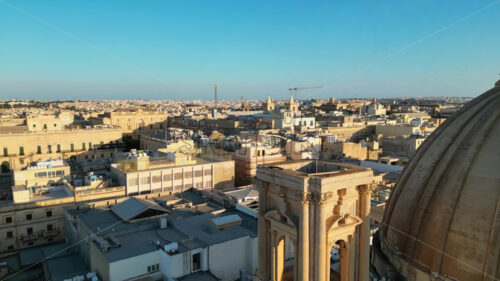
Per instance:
(18,149)
(313,206)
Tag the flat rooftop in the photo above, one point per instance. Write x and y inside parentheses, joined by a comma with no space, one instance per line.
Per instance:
(51,195)
(189,230)
(312,168)
(199,276)
(158,164)
(201,228)
(144,242)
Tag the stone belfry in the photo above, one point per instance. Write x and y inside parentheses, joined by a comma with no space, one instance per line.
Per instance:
(313,207)
(270,105)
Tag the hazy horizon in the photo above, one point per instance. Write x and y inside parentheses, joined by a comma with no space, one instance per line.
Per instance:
(92,50)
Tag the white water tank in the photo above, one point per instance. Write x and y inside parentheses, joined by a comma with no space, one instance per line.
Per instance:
(170,247)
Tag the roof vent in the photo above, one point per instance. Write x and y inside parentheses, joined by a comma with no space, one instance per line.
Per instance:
(103,244)
(226,221)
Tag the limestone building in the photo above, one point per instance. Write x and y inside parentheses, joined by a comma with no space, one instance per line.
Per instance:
(133,121)
(42,173)
(141,174)
(249,156)
(48,122)
(20,148)
(314,207)
(442,221)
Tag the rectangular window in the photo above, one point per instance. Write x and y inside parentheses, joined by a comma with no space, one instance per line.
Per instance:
(49,148)
(196,262)
(41,175)
(90,145)
(72,147)
(167,177)
(208,184)
(153,268)
(198,173)
(133,181)
(188,175)
(145,180)
(5,151)
(83,146)
(29,217)
(208,172)
(156,178)
(10,234)
(29,230)
(58,148)
(178,176)
(39,149)
(21,150)
(49,213)
(50,227)
(8,219)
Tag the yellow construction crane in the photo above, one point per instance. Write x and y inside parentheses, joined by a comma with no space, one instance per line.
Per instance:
(296,90)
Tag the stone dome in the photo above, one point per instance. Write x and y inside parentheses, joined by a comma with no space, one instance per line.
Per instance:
(443,217)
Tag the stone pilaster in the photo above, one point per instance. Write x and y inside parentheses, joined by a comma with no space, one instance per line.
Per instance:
(264,266)
(321,260)
(303,245)
(365,192)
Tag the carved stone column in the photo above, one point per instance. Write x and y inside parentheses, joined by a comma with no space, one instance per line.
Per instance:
(321,243)
(312,238)
(352,258)
(344,261)
(264,266)
(274,254)
(303,246)
(280,257)
(365,192)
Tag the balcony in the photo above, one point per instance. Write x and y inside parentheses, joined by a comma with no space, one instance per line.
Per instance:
(29,237)
(50,233)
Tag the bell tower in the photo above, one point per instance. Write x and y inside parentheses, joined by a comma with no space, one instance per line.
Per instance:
(314,207)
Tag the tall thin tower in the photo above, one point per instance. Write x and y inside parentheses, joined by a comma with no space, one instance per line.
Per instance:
(215,88)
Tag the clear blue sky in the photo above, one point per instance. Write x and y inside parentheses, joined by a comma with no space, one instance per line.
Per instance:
(178,49)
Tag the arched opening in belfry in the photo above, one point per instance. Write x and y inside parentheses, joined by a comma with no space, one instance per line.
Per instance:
(340,261)
(284,252)
(5,167)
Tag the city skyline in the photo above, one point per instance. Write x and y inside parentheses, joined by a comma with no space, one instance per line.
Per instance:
(176,51)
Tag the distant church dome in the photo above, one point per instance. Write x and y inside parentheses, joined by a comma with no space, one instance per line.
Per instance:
(443,218)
